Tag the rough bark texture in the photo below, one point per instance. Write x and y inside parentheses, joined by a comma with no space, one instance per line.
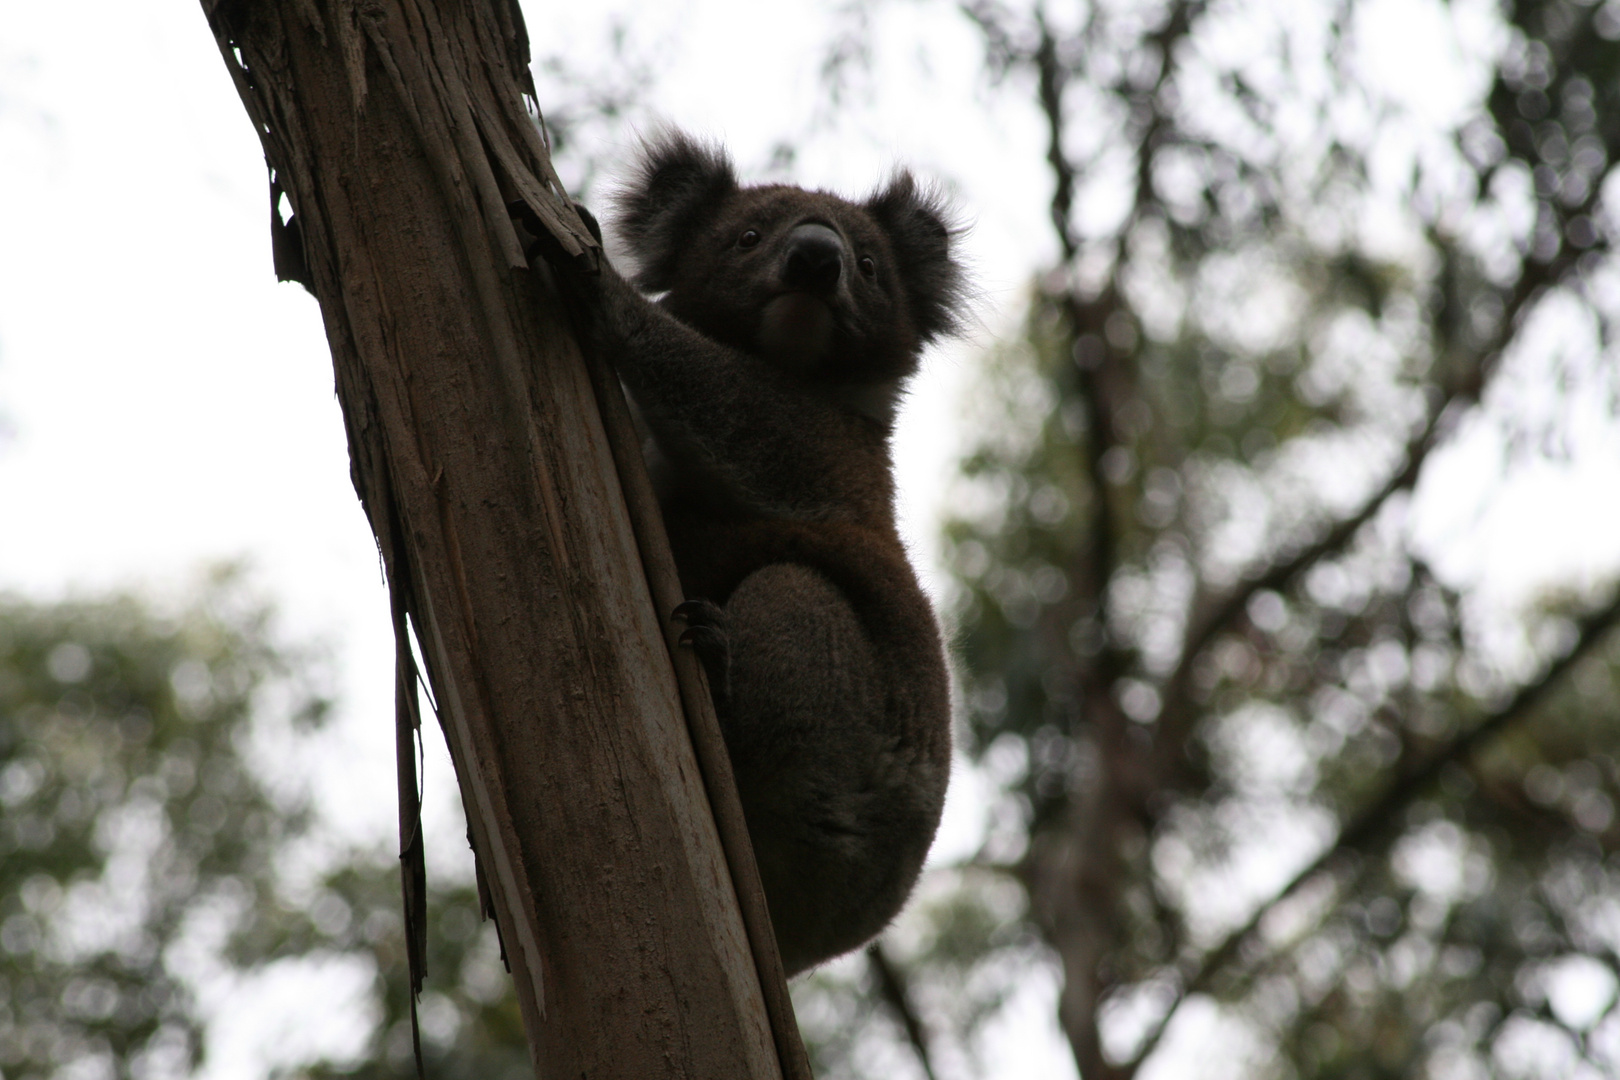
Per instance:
(397,130)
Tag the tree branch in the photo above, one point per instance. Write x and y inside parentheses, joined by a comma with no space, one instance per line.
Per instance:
(1050,80)
(1373,823)
(1466,386)
(1099,367)
(1178,714)
(892,984)
(1090,351)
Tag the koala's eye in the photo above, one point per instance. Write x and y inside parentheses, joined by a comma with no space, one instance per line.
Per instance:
(868,267)
(748,239)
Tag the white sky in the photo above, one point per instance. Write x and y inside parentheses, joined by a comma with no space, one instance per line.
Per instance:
(165,402)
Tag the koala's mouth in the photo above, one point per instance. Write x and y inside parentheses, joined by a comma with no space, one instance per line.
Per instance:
(796,328)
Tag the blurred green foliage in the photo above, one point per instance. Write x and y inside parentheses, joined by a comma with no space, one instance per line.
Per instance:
(156,847)
(132,823)
(1275,784)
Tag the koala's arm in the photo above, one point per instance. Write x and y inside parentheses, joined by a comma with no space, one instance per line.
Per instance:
(766,441)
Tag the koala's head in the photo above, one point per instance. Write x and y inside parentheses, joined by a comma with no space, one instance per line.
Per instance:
(832,289)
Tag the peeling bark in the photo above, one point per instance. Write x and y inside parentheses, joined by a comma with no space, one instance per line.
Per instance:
(398,131)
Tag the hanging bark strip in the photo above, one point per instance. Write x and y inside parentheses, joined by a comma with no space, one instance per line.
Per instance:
(398,132)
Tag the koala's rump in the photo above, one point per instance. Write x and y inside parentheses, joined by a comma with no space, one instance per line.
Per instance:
(841,810)
(839,725)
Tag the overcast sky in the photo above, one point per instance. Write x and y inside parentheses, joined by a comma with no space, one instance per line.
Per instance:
(164,402)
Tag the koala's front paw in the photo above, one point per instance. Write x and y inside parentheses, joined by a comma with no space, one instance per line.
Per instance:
(705,635)
(589,219)
(538,241)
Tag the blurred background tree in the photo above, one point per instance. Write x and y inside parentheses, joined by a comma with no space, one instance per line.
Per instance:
(157,845)
(137,828)
(1277,787)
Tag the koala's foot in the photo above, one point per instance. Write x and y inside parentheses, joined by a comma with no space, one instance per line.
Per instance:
(705,635)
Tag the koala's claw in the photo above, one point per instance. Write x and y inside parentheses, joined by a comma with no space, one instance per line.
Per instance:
(538,241)
(705,635)
(694,612)
(589,219)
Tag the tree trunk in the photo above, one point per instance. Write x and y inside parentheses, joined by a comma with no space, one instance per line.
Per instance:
(398,132)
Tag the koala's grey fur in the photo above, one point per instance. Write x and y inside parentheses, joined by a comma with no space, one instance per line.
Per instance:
(768,375)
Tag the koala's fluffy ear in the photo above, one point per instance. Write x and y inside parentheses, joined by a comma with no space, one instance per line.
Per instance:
(920,231)
(679,183)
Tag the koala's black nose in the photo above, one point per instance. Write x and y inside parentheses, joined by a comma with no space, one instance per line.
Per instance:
(815,258)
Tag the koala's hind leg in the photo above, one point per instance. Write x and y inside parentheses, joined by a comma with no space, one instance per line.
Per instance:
(821,778)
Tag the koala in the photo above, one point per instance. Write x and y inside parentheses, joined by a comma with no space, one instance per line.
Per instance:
(767,376)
